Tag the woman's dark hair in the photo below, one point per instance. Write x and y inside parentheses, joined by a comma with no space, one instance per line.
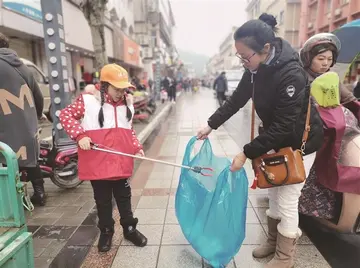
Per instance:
(316,50)
(103,89)
(256,33)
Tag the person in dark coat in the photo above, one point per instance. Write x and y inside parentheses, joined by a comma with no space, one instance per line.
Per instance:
(21,106)
(165,83)
(172,90)
(279,88)
(221,86)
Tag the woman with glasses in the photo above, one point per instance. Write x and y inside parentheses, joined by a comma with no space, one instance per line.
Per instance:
(279,89)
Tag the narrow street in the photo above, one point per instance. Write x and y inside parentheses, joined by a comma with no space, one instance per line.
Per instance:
(172,56)
(154,188)
(65,232)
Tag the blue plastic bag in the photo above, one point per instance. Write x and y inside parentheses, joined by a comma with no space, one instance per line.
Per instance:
(212,210)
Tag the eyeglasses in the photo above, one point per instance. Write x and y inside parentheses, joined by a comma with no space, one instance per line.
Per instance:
(246,60)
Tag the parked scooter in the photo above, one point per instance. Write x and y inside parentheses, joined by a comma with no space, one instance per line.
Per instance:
(144,105)
(59,162)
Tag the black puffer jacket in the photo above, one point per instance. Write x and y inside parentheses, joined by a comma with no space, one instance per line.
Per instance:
(281,94)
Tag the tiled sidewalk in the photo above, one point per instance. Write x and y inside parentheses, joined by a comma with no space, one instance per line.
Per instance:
(154,187)
(66,226)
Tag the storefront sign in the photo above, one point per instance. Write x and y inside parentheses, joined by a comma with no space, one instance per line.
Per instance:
(28,8)
(131,52)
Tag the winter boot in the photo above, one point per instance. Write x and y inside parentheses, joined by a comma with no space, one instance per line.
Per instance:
(39,197)
(269,246)
(284,254)
(105,239)
(131,233)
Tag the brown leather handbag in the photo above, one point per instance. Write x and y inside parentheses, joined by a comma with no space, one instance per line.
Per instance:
(283,167)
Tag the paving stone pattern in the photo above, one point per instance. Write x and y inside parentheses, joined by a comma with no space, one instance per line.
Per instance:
(154,187)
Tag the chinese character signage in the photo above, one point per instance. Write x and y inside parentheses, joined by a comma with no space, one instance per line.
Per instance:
(131,51)
(28,8)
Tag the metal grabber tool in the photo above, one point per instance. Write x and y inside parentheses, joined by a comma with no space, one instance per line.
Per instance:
(196,169)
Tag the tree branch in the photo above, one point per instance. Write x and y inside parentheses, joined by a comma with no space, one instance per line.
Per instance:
(94,12)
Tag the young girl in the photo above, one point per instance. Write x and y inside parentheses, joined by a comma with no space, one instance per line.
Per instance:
(105,118)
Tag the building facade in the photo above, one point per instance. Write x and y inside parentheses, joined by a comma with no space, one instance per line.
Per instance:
(211,66)
(286,12)
(254,8)
(127,50)
(325,16)
(227,52)
(23,25)
(226,58)
(154,25)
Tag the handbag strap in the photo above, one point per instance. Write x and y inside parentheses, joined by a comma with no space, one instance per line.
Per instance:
(307,123)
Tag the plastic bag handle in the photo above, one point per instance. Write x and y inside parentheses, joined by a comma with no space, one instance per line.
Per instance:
(190,146)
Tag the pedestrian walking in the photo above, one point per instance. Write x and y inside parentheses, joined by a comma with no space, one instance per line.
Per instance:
(221,86)
(172,90)
(279,88)
(106,119)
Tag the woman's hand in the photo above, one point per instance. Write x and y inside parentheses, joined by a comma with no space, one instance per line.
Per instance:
(204,133)
(141,153)
(84,143)
(238,162)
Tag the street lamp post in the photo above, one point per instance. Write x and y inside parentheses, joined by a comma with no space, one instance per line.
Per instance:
(54,38)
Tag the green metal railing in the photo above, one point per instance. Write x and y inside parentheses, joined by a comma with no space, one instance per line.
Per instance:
(16,247)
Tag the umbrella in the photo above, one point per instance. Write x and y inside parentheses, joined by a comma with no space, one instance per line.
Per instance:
(349,35)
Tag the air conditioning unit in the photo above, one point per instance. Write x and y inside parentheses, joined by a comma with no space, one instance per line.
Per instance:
(310,25)
(337,12)
(147,53)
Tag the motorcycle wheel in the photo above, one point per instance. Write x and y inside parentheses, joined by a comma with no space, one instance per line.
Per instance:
(70,183)
(66,182)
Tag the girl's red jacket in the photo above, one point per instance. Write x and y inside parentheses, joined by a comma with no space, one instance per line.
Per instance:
(80,119)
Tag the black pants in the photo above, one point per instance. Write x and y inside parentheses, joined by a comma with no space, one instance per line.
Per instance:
(104,190)
(172,94)
(32,174)
(221,97)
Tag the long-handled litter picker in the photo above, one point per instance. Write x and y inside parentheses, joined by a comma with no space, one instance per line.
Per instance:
(195,169)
